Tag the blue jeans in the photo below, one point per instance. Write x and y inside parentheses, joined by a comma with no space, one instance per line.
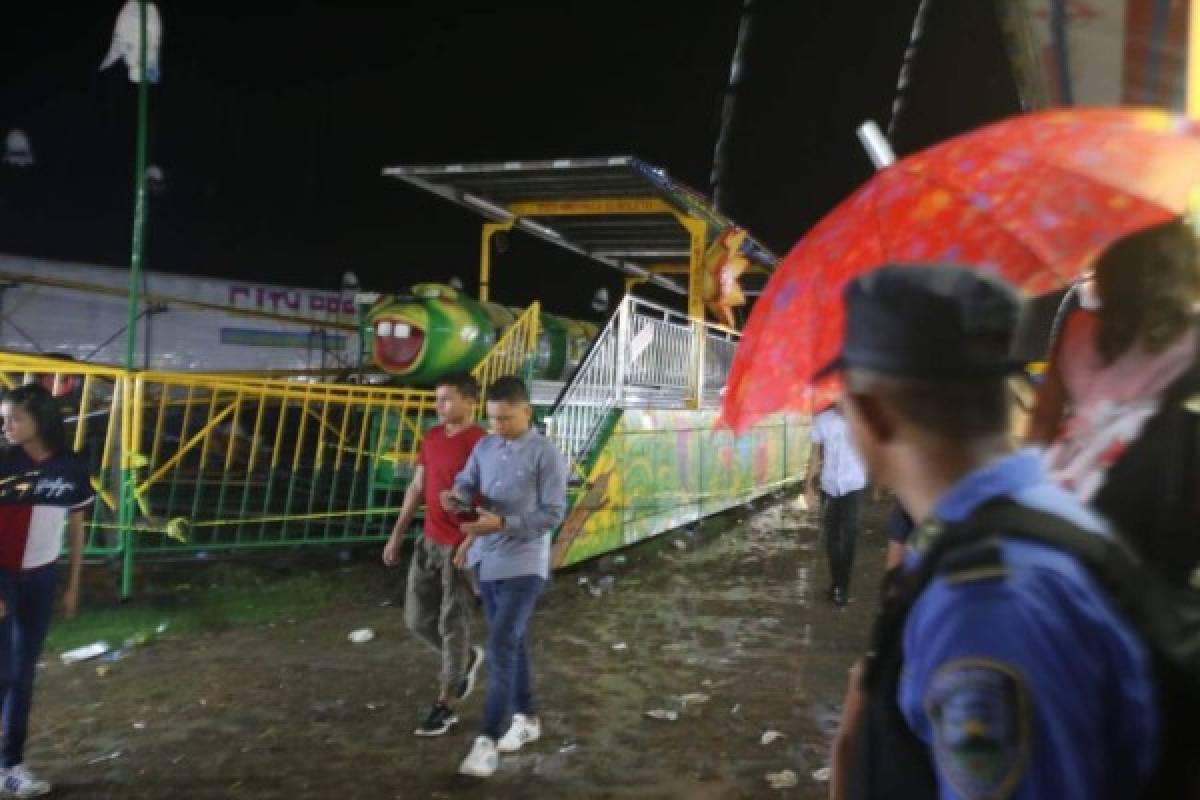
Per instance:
(508,605)
(28,606)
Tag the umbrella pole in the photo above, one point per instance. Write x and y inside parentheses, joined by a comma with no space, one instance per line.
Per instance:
(910,54)
(876,144)
(716,179)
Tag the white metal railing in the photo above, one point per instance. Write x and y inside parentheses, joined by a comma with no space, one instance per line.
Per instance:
(660,347)
(588,396)
(719,347)
(649,356)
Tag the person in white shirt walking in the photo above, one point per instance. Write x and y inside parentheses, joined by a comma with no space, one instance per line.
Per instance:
(836,470)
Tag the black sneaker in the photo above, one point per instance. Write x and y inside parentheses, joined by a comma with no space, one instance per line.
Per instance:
(467,684)
(438,721)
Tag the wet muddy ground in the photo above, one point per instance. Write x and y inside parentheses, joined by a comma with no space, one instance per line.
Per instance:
(727,625)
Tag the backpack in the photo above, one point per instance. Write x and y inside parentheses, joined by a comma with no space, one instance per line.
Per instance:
(1166,616)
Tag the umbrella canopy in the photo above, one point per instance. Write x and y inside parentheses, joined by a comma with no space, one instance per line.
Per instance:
(1033,199)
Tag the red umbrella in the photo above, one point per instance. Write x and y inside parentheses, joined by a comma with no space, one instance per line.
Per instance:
(1033,199)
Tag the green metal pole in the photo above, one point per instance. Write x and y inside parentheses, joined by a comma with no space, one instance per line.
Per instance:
(135,270)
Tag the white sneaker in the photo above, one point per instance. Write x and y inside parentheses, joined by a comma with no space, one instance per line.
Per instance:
(482,761)
(20,782)
(522,731)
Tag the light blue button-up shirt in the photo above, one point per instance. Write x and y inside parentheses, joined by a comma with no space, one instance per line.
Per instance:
(525,482)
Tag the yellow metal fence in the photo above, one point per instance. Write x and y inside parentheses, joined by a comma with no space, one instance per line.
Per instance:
(231,463)
(221,462)
(512,354)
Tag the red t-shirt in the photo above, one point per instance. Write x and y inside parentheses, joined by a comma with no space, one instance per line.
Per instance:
(443,457)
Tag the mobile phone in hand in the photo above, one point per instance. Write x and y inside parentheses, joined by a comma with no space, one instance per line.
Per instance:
(468,512)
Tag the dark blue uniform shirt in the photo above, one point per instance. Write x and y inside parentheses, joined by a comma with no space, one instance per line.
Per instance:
(1021,679)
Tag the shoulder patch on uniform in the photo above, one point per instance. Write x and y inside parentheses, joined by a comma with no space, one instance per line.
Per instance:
(979,713)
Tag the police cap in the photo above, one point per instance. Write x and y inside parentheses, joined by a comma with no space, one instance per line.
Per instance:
(930,322)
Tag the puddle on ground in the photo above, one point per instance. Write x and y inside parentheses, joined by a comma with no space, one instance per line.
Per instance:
(295,712)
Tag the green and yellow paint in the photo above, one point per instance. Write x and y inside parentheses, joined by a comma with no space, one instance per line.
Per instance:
(436,330)
(660,469)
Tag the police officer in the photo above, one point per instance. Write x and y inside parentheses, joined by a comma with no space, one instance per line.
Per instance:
(1007,674)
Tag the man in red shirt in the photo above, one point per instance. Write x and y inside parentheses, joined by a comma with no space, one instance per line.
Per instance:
(438,602)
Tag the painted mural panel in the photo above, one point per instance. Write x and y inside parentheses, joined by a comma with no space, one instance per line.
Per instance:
(663,469)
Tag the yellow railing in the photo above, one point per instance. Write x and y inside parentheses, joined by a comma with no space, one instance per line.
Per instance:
(234,461)
(225,461)
(259,462)
(512,354)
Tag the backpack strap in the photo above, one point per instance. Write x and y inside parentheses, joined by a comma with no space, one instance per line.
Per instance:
(949,546)
(1105,556)
(1166,616)
(1108,558)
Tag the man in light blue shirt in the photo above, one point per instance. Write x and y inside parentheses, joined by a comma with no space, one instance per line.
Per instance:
(521,478)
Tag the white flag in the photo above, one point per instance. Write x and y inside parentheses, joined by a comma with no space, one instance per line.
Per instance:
(127,36)
(156,179)
(18,152)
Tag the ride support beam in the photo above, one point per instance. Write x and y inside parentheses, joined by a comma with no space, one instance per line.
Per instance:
(490,229)
(698,233)
(591,207)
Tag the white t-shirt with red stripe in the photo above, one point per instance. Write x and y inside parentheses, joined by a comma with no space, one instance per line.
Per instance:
(35,499)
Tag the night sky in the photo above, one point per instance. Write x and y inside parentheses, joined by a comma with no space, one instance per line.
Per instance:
(272,123)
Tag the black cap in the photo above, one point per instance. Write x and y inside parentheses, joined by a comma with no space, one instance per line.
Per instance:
(929,322)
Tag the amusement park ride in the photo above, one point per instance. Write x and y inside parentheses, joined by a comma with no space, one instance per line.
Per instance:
(305,432)
(272,417)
